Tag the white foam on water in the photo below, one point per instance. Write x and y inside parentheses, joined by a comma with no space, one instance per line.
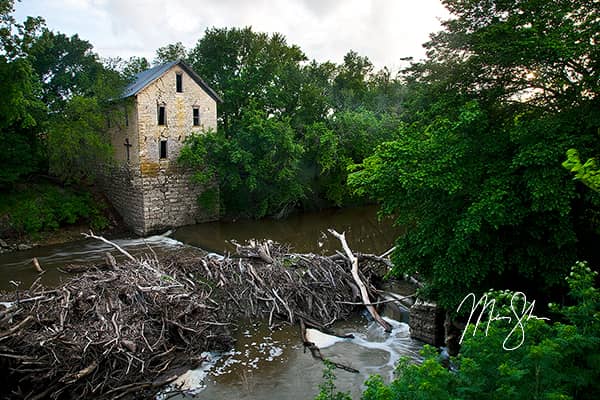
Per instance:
(193,381)
(320,339)
(396,343)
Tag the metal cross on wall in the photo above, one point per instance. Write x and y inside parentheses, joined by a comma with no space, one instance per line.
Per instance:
(127,146)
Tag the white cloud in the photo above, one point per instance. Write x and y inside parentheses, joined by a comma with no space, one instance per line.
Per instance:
(383,30)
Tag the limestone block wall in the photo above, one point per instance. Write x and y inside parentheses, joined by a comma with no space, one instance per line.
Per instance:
(123,126)
(170,199)
(426,322)
(123,186)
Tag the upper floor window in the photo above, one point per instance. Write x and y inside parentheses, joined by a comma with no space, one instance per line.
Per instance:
(162,114)
(196,116)
(179,82)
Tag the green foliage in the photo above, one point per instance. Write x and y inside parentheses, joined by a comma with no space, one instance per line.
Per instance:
(76,144)
(170,52)
(344,139)
(556,361)
(134,66)
(588,172)
(55,92)
(327,389)
(338,114)
(257,170)
(19,104)
(475,173)
(46,207)
(249,70)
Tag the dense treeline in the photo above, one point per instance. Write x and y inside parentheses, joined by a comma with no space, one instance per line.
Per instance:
(494,174)
(55,95)
(507,89)
(289,127)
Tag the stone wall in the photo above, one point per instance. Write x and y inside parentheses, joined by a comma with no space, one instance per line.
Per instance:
(171,199)
(179,115)
(123,187)
(426,321)
(156,201)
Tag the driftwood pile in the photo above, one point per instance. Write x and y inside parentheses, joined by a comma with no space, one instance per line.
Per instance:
(120,330)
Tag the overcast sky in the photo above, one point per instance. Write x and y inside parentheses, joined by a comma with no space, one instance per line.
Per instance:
(383,30)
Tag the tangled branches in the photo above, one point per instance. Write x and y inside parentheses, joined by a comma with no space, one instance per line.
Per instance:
(120,330)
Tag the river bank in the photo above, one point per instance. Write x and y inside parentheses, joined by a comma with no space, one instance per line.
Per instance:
(66,234)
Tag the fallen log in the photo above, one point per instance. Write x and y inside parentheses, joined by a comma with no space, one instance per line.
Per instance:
(37,265)
(361,285)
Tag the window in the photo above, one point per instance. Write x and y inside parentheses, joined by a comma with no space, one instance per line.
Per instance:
(161,115)
(163,149)
(126,118)
(196,116)
(179,82)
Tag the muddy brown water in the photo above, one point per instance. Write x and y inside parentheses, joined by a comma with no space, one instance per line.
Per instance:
(304,233)
(264,364)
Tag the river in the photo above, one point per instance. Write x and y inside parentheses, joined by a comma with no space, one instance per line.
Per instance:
(264,364)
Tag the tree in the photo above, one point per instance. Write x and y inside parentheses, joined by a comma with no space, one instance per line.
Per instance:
(170,52)
(249,70)
(78,91)
(66,66)
(20,107)
(344,139)
(476,175)
(134,66)
(350,84)
(56,93)
(257,170)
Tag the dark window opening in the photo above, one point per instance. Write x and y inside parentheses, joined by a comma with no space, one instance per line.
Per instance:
(196,114)
(179,82)
(126,119)
(127,146)
(163,149)
(161,115)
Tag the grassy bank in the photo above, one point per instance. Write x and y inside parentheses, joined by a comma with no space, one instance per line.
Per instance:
(32,211)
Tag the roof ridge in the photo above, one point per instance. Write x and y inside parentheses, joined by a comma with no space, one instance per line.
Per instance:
(145,78)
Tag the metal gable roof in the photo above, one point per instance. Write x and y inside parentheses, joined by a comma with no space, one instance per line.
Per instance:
(148,76)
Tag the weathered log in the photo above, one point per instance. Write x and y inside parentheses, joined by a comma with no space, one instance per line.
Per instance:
(116,246)
(363,289)
(37,266)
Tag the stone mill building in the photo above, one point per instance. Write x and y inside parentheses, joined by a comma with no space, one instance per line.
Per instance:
(157,111)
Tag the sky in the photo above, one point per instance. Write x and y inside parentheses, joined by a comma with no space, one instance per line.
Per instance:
(383,30)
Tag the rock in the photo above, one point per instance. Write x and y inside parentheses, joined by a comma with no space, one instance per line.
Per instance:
(3,244)
(23,246)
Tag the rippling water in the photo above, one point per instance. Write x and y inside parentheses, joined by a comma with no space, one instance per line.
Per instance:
(267,364)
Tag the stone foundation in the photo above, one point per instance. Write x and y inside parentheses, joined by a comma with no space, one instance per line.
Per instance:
(155,200)
(426,322)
